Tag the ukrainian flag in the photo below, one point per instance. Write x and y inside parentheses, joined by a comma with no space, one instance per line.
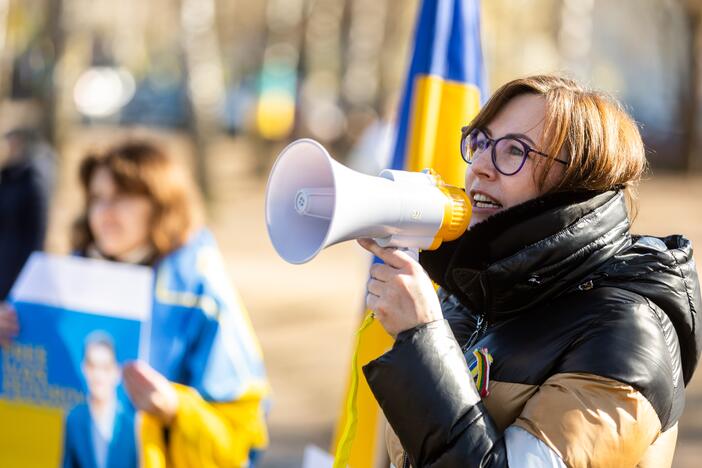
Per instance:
(444,88)
(443,92)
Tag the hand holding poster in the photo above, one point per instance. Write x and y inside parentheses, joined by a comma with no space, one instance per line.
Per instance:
(80,320)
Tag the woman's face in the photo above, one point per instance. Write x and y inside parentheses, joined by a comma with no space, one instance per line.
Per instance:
(490,191)
(119,222)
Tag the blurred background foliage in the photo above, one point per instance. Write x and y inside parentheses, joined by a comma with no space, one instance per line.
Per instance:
(272,70)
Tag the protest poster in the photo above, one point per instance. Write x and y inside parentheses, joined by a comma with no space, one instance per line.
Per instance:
(80,320)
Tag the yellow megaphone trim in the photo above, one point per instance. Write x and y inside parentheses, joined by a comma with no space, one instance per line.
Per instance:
(457,211)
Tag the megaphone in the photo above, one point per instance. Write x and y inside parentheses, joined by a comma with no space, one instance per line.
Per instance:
(313,202)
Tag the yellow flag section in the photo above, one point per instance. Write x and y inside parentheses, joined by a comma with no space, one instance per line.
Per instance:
(368,446)
(441,109)
(19,445)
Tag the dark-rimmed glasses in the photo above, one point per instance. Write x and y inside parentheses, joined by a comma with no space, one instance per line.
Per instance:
(509,152)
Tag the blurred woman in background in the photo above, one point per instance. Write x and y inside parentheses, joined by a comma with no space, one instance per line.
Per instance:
(203,387)
(204,381)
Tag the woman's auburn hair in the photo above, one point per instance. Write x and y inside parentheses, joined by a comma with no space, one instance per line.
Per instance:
(140,167)
(590,129)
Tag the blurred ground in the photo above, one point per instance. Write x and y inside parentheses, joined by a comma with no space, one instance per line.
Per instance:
(305,315)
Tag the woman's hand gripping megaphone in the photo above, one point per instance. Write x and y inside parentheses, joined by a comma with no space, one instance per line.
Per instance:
(400,293)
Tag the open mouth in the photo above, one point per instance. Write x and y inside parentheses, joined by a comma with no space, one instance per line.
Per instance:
(480,200)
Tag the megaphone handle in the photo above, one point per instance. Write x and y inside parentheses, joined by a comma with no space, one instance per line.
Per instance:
(412,252)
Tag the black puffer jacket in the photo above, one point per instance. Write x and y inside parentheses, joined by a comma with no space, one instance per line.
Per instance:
(25,187)
(593,334)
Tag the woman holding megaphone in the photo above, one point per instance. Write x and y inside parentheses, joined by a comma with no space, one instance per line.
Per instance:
(557,338)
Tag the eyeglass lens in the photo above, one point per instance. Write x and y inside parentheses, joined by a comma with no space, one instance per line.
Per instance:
(509,151)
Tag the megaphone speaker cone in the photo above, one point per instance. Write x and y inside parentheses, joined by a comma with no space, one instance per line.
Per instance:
(304,165)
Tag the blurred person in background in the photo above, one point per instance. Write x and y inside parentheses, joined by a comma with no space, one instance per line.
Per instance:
(108,421)
(580,337)
(26,179)
(202,390)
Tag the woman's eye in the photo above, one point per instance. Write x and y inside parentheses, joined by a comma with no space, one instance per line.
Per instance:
(515,150)
(481,144)
(94,200)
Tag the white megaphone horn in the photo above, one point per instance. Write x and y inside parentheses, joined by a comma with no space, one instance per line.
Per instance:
(313,202)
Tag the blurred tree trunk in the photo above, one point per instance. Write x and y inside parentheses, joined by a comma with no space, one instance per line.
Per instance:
(30,41)
(73,56)
(6,48)
(205,77)
(55,35)
(690,107)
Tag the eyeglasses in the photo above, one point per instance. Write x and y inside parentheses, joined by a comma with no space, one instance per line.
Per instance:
(509,153)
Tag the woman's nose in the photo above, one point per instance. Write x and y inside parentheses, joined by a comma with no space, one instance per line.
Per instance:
(102,209)
(482,164)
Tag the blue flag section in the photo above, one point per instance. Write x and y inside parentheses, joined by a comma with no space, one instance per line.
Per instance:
(444,89)
(80,320)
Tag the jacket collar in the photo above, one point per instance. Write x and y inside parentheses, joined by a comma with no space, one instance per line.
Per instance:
(531,252)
